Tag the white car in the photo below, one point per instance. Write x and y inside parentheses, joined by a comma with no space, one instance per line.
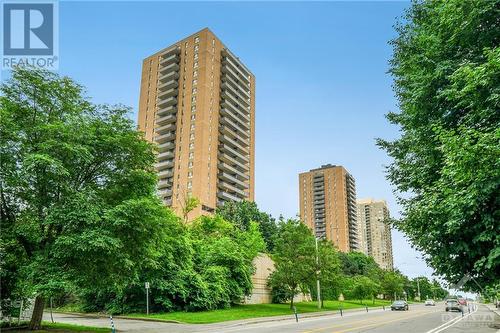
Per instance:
(430,302)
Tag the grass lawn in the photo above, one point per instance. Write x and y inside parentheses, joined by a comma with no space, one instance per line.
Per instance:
(48,327)
(254,311)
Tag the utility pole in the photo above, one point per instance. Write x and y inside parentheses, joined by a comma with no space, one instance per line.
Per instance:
(317,274)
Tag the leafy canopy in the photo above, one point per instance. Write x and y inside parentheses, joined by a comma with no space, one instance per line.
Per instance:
(446,164)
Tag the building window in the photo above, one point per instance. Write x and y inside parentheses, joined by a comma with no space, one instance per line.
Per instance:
(190,185)
(190,164)
(190,174)
(195,73)
(195,82)
(193,99)
(195,56)
(194,91)
(195,64)
(192,126)
(191,136)
(191,145)
(193,108)
(193,116)
(196,47)
(197,39)
(191,155)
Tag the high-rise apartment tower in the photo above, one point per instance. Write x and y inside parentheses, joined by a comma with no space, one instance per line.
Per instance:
(375,231)
(328,205)
(197,102)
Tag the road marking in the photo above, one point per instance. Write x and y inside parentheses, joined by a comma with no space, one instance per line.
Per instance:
(382,323)
(359,321)
(450,323)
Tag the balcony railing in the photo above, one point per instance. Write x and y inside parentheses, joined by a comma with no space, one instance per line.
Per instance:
(168,164)
(233,152)
(232,179)
(163,103)
(231,188)
(163,120)
(233,162)
(241,145)
(236,95)
(225,196)
(167,93)
(167,110)
(226,167)
(236,85)
(165,137)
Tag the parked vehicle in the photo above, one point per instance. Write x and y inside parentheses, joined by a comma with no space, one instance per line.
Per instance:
(430,302)
(453,305)
(399,305)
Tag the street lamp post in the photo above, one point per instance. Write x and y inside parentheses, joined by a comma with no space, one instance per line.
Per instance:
(317,274)
(418,289)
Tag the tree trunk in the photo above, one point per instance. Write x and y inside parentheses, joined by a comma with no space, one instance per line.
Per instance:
(36,318)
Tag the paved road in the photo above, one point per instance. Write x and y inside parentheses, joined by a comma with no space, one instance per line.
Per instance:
(419,319)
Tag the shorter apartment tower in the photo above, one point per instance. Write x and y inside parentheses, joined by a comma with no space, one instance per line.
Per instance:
(375,232)
(328,205)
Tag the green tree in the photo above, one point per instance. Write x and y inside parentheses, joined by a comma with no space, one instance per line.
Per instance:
(77,189)
(243,213)
(446,164)
(328,268)
(358,263)
(294,258)
(392,283)
(223,259)
(363,287)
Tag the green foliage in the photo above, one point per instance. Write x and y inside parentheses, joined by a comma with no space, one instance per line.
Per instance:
(362,287)
(392,284)
(446,67)
(294,258)
(242,213)
(358,263)
(77,189)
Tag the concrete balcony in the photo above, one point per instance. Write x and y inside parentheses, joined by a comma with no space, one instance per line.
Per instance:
(163,120)
(164,184)
(233,134)
(238,85)
(235,70)
(165,111)
(236,62)
(168,85)
(167,77)
(242,167)
(228,123)
(165,174)
(167,93)
(233,170)
(241,145)
(164,138)
(166,146)
(228,197)
(231,178)
(169,59)
(236,95)
(164,165)
(169,154)
(167,128)
(163,103)
(164,70)
(234,153)
(230,188)
(242,114)
(235,122)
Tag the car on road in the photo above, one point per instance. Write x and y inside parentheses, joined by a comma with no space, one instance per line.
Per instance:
(453,305)
(399,305)
(430,302)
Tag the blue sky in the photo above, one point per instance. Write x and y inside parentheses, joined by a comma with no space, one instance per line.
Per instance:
(321,84)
